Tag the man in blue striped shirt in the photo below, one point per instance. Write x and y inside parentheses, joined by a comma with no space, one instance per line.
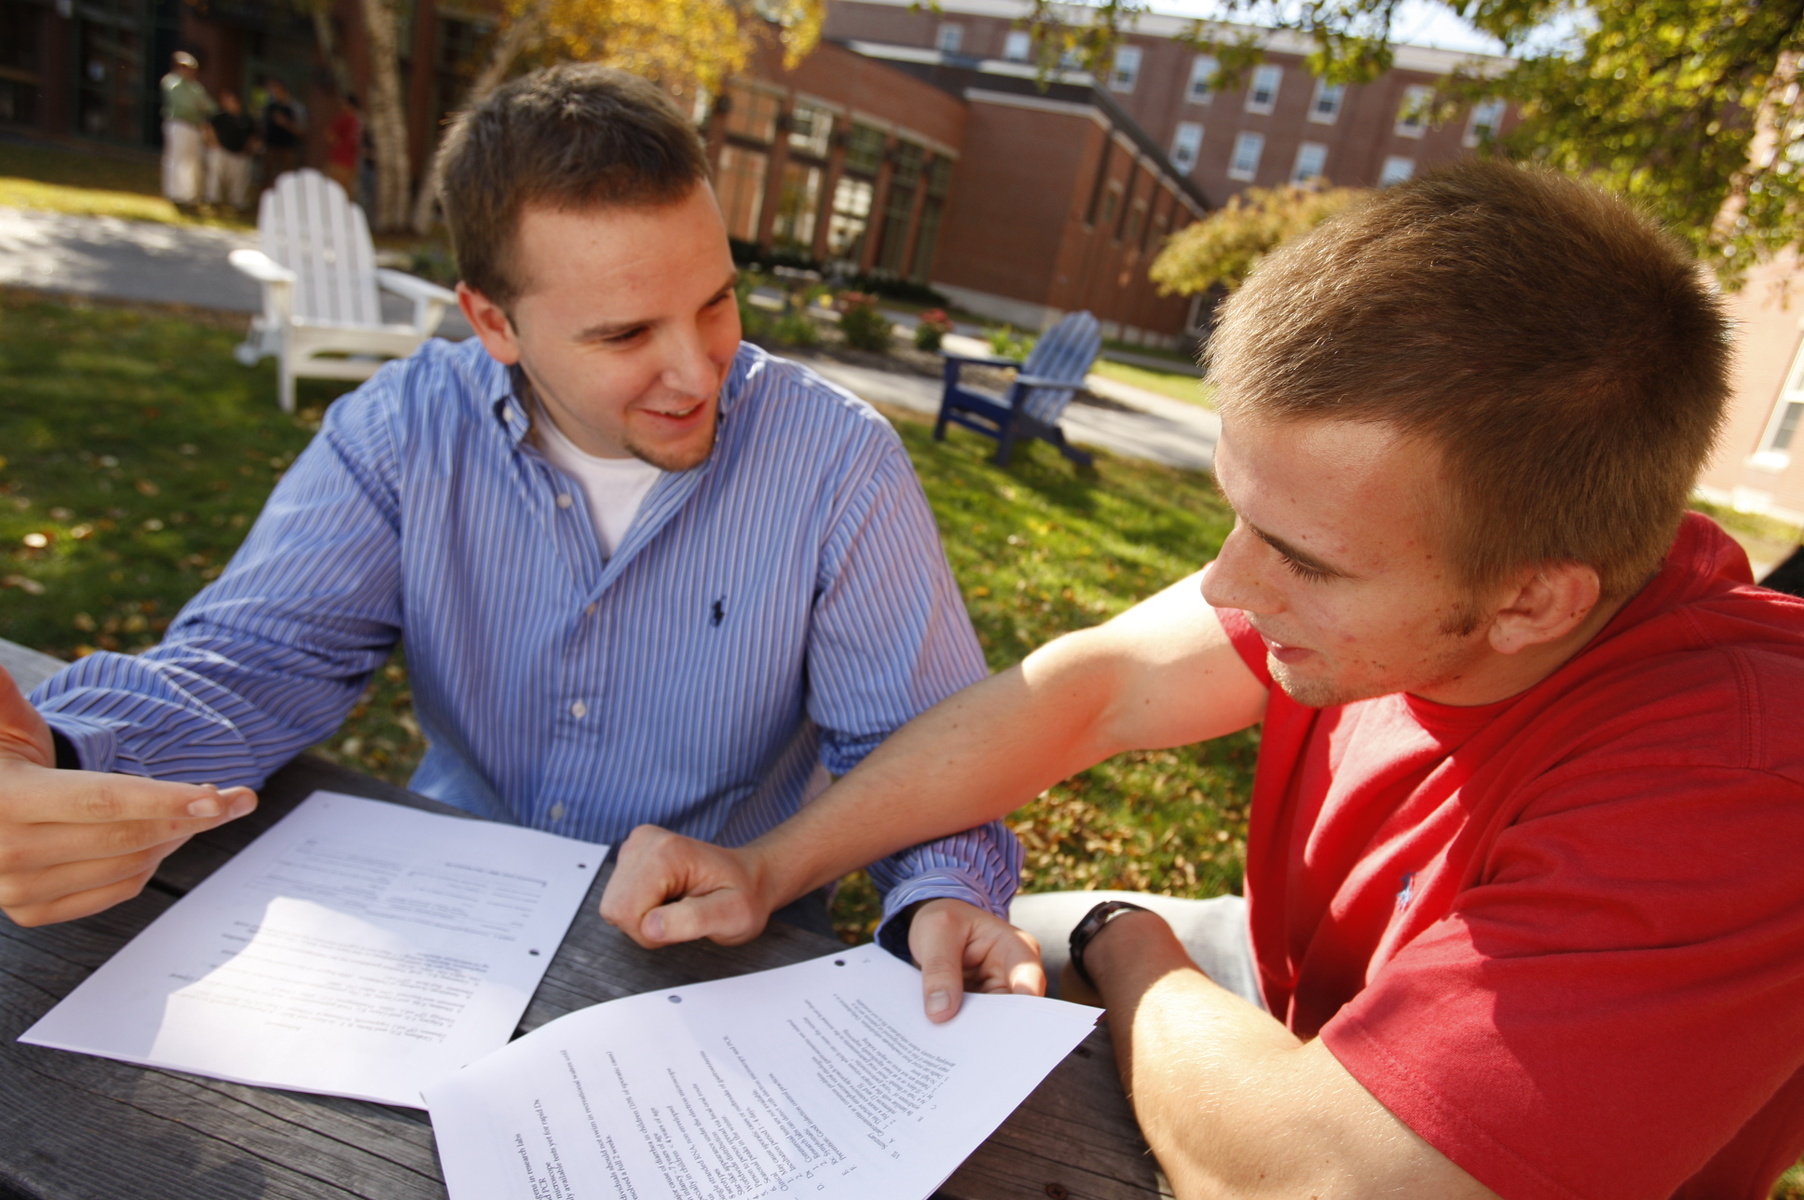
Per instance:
(777,602)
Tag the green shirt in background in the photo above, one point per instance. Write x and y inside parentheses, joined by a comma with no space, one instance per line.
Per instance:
(186,100)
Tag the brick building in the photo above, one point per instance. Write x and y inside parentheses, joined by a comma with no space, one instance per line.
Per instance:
(1759,461)
(1281,125)
(1018,203)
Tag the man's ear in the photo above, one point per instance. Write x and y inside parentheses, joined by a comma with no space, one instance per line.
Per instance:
(494,328)
(1550,602)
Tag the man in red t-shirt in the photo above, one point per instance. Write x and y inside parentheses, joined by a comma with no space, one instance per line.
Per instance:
(1522,917)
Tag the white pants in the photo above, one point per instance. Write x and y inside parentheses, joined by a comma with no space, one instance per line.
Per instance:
(1214,932)
(228,177)
(182,145)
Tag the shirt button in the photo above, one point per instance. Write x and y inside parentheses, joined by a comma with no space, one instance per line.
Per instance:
(579,710)
(557,812)
(507,414)
(564,500)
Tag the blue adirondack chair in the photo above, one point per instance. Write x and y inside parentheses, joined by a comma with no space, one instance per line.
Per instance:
(1037,396)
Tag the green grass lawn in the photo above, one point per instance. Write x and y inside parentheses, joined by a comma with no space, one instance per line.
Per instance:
(1175,384)
(138,452)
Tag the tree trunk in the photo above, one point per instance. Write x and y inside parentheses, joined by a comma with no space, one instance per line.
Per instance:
(508,46)
(388,119)
(321,12)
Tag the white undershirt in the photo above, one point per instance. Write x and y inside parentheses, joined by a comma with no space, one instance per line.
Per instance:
(614,488)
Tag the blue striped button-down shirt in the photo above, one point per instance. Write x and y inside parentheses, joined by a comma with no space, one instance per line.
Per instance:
(781,607)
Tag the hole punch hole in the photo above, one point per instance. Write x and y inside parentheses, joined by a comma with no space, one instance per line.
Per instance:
(534,953)
(582,866)
(675,999)
(839,962)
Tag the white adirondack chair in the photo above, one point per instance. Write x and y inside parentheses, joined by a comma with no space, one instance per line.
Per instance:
(321,318)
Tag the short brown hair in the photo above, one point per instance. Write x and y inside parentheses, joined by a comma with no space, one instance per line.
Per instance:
(569,137)
(1562,352)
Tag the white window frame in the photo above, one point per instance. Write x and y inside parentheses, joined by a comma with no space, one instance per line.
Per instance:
(951,38)
(1124,71)
(1317,150)
(1202,71)
(1492,110)
(1413,113)
(1017,46)
(1331,94)
(1267,79)
(1770,456)
(1390,175)
(1242,141)
(1186,146)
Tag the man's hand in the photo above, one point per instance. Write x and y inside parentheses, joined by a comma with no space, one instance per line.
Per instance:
(668,888)
(75,842)
(960,947)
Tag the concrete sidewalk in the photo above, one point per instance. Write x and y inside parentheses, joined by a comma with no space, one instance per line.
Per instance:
(186,264)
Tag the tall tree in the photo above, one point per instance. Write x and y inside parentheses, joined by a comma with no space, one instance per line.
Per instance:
(691,45)
(387,115)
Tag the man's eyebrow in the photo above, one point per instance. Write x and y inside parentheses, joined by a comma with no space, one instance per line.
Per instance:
(1301,557)
(613,329)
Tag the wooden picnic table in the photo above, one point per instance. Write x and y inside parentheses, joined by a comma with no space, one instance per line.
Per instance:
(74,1127)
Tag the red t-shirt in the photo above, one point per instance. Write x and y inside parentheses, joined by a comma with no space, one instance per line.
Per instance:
(1561,936)
(344,139)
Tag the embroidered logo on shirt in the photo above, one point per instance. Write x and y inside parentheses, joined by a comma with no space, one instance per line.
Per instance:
(1407,892)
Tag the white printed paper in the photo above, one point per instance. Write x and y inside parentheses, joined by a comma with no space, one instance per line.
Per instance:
(357,948)
(823,1080)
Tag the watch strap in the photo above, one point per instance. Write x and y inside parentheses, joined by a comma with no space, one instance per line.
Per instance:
(1090,926)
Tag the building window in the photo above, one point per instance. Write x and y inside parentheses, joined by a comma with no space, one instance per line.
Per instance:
(1111,203)
(810,130)
(864,149)
(906,164)
(793,226)
(1326,105)
(752,113)
(1184,146)
(1487,116)
(20,72)
(1248,147)
(1397,168)
(951,39)
(925,237)
(1262,97)
(1413,113)
(1125,70)
(1202,79)
(851,217)
(1312,162)
(1017,46)
(739,183)
(1782,429)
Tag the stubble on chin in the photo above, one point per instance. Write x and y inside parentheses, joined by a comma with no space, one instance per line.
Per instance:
(685,456)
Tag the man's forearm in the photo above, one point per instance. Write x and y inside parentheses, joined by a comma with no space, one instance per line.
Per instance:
(1235,1105)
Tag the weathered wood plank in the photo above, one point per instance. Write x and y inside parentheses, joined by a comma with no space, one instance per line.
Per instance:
(27,667)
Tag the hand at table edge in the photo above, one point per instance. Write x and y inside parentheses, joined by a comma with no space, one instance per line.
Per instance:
(960,947)
(73,843)
(668,888)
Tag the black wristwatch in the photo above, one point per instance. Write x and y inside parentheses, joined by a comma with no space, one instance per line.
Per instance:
(1090,926)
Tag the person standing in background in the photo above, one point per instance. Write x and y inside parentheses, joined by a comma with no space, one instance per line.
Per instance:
(232,140)
(186,107)
(283,132)
(344,144)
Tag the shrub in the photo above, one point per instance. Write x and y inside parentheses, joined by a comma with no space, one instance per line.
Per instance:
(754,322)
(931,328)
(795,329)
(1006,343)
(865,327)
